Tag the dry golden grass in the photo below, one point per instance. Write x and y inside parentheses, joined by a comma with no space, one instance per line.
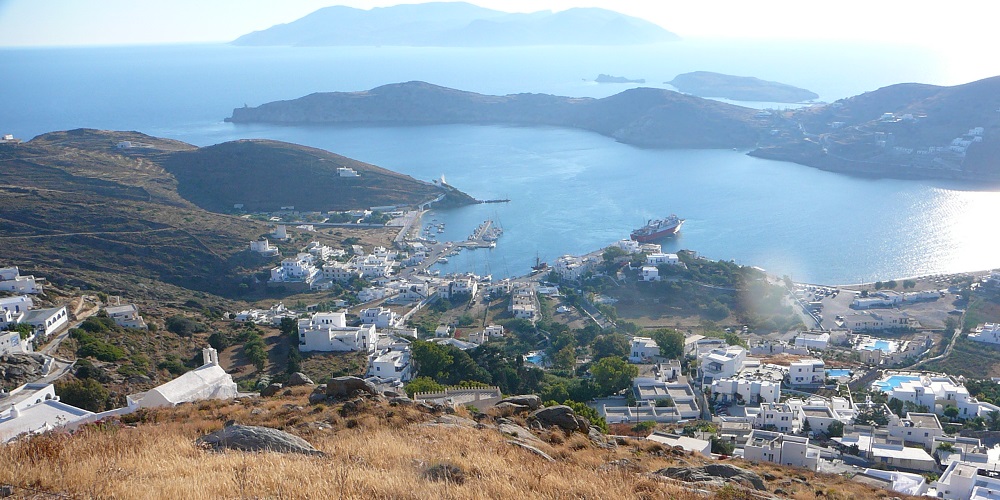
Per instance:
(379,452)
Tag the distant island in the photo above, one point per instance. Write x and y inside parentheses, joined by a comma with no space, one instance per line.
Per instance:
(602,78)
(644,117)
(903,131)
(458,24)
(738,88)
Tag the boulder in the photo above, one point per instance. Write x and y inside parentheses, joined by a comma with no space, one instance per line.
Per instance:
(254,438)
(511,429)
(299,378)
(508,409)
(400,400)
(270,390)
(532,449)
(346,387)
(393,394)
(532,401)
(445,472)
(317,397)
(714,473)
(561,416)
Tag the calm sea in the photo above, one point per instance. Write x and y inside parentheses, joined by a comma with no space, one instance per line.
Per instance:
(571,191)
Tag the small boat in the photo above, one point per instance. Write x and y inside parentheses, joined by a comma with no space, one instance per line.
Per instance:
(443,260)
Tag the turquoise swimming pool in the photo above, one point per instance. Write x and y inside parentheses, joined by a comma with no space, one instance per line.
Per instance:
(881,345)
(838,372)
(893,382)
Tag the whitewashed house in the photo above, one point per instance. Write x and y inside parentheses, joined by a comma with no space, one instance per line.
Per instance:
(263,247)
(381,317)
(806,372)
(393,363)
(813,340)
(749,390)
(721,362)
(19,304)
(778,448)
(126,316)
(655,259)
(962,481)
(12,343)
(776,416)
(47,321)
(919,428)
(687,443)
(35,408)
(12,281)
(649,273)
(643,350)
(329,332)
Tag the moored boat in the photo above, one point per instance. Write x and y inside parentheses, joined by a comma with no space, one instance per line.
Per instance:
(656,229)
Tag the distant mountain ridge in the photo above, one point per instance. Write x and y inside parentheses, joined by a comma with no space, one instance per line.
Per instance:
(643,116)
(458,24)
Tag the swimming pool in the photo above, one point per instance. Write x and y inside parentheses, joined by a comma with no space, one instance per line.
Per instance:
(882,345)
(893,382)
(838,372)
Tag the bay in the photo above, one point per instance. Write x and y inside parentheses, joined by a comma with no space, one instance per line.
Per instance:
(572,191)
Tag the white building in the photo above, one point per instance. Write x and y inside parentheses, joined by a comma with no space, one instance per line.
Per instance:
(209,381)
(47,321)
(19,304)
(778,448)
(522,302)
(936,392)
(340,272)
(12,281)
(571,267)
(919,428)
(813,340)
(300,268)
(643,350)
(370,293)
(881,320)
(722,362)
(329,332)
(649,273)
(900,482)
(35,408)
(393,363)
(807,372)
(988,333)
(629,246)
(347,172)
(381,317)
(749,390)
(777,416)
(655,259)
(903,457)
(126,316)
(962,481)
(263,247)
(12,343)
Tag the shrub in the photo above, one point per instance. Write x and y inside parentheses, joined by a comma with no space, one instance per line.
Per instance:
(183,326)
(88,394)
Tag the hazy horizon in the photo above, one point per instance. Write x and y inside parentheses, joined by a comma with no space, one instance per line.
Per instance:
(25,23)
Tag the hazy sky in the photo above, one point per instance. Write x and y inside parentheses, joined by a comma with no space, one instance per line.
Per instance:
(952,26)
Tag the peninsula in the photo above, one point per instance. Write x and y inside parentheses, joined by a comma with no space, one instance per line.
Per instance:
(602,78)
(643,116)
(902,131)
(738,88)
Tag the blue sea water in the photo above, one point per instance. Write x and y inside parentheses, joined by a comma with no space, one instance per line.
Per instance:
(572,191)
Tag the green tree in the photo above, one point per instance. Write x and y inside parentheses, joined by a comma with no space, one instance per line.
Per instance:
(218,341)
(835,429)
(431,359)
(951,412)
(907,284)
(289,327)
(611,344)
(564,358)
(671,342)
(613,374)
(88,394)
(994,417)
(612,253)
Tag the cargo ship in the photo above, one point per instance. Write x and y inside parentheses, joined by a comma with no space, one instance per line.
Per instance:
(656,229)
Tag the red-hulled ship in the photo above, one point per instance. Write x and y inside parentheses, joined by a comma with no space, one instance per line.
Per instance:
(656,229)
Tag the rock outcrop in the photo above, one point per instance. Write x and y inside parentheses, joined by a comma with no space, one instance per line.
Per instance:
(253,438)
(17,369)
(347,387)
(270,390)
(716,474)
(299,378)
(531,401)
(560,416)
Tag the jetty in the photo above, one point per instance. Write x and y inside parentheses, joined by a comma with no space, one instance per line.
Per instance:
(484,236)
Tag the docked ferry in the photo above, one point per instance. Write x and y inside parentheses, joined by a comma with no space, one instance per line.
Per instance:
(656,229)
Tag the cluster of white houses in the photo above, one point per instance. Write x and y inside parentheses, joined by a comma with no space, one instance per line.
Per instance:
(20,310)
